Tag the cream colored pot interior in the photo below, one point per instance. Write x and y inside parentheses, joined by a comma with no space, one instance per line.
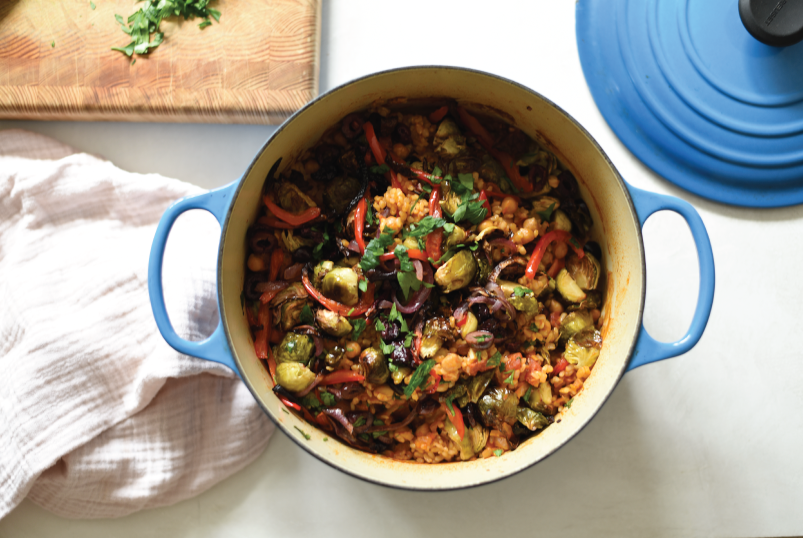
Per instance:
(616,228)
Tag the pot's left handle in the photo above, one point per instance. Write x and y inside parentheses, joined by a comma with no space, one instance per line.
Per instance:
(649,349)
(215,347)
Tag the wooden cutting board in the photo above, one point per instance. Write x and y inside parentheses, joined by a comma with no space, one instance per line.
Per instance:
(258,65)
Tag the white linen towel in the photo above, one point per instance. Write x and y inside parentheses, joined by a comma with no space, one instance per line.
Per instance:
(99,417)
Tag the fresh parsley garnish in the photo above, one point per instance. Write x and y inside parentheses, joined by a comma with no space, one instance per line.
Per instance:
(437,171)
(380,169)
(387,349)
(509,379)
(92,5)
(408,340)
(495,360)
(306,315)
(369,214)
(419,376)
(358,326)
(546,214)
(426,226)
(379,325)
(363,285)
(569,403)
(527,394)
(498,452)
(392,367)
(375,248)
(328,398)
(521,291)
(360,422)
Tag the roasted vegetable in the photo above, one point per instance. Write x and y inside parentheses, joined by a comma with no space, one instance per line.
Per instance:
(593,300)
(340,194)
(498,406)
(560,221)
(583,348)
(294,348)
(457,237)
(585,271)
(574,323)
(294,376)
(293,242)
(522,299)
(457,272)
(568,288)
(320,271)
(545,206)
(340,284)
(465,444)
(532,419)
(332,357)
(450,201)
(469,326)
(435,331)
(332,323)
(449,141)
(293,291)
(290,198)
(478,436)
(374,366)
(477,385)
(290,313)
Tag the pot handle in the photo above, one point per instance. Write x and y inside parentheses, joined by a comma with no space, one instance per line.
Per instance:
(215,348)
(647,348)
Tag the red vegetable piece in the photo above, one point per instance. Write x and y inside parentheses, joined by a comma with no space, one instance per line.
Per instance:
(292,218)
(439,114)
(359,224)
(560,366)
(341,376)
(366,301)
(543,243)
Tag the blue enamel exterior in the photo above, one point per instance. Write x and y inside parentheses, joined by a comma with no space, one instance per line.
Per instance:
(647,348)
(215,348)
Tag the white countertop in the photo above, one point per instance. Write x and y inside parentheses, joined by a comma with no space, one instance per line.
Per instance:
(706,444)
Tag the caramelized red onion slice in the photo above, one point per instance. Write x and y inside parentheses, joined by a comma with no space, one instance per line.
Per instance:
(501,242)
(311,386)
(461,311)
(340,417)
(423,271)
(495,304)
(347,391)
(293,273)
(504,264)
(391,427)
(480,339)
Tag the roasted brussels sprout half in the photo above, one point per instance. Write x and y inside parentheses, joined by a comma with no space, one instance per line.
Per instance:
(585,271)
(492,171)
(294,376)
(293,291)
(291,198)
(374,366)
(457,272)
(477,385)
(593,300)
(333,323)
(332,357)
(568,288)
(434,332)
(340,284)
(320,271)
(522,300)
(294,348)
(560,221)
(340,193)
(478,436)
(583,348)
(455,238)
(484,268)
(575,322)
(498,406)
(545,206)
(290,313)
(293,242)
(449,141)
(533,420)
(450,201)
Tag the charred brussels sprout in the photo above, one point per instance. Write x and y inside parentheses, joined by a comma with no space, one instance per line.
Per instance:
(477,385)
(533,420)
(290,313)
(340,284)
(560,221)
(455,238)
(293,291)
(483,268)
(294,376)
(568,288)
(585,271)
(479,438)
(583,348)
(294,348)
(434,332)
(374,366)
(457,272)
(291,198)
(332,323)
(466,449)
(320,271)
(574,323)
(522,299)
(498,406)
(593,300)
(333,356)
(450,201)
(340,193)
(293,242)
(449,141)
(545,206)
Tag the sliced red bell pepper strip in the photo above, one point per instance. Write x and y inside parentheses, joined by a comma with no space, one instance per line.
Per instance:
(379,152)
(276,262)
(484,198)
(436,381)
(292,218)
(359,224)
(543,243)
(290,404)
(560,366)
(439,114)
(435,238)
(320,420)
(341,376)
(486,140)
(366,301)
(273,222)
(456,419)
(261,338)
(462,321)
(274,287)
(413,253)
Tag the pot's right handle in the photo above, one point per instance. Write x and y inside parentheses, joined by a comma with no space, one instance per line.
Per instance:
(649,349)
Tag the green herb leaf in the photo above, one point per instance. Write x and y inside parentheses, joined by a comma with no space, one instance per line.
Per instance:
(426,226)
(498,452)
(509,379)
(92,5)
(325,439)
(408,340)
(379,325)
(437,171)
(380,169)
(358,327)
(306,315)
(205,24)
(369,214)
(569,403)
(360,422)
(328,398)
(363,285)
(527,394)
(387,349)
(375,248)
(546,214)
(53,44)
(408,281)
(495,360)
(419,376)
(520,291)
(392,367)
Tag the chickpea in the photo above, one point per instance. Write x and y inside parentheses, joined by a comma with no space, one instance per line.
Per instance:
(401,150)
(595,314)
(523,236)
(352,350)
(311,166)
(553,182)
(530,224)
(256,263)
(555,306)
(484,225)
(560,250)
(509,205)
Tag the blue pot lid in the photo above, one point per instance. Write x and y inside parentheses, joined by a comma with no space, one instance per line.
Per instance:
(696,97)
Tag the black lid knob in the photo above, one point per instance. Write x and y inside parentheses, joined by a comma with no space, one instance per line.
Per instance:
(775,22)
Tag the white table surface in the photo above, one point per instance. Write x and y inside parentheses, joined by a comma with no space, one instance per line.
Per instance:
(706,444)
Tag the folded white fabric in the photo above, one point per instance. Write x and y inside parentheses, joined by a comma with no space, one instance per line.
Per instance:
(99,417)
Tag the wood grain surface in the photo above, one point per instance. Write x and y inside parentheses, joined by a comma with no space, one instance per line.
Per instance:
(258,65)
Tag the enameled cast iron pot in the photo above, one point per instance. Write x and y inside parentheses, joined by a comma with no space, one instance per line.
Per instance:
(618,210)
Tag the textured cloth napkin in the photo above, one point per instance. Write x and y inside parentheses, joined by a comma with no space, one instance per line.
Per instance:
(99,417)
